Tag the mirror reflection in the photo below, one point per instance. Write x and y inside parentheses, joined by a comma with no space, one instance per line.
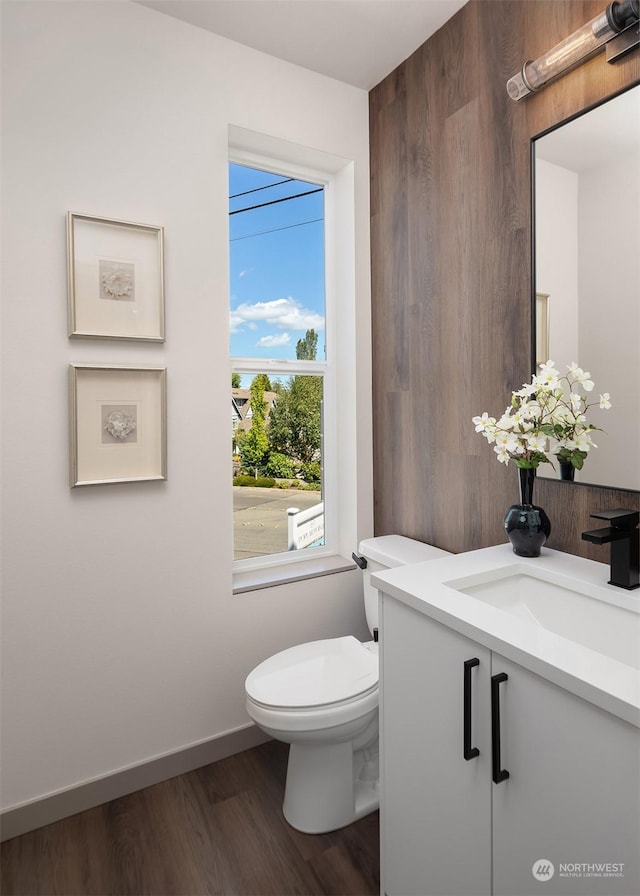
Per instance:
(587,272)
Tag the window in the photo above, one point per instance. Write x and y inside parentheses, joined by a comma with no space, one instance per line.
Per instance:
(282,379)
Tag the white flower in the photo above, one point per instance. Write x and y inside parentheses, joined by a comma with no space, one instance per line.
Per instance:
(506,421)
(531,410)
(537,442)
(583,442)
(548,376)
(503,454)
(582,376)
(483,422)
(525,392)
(576,401)
(507,441)
(605,403)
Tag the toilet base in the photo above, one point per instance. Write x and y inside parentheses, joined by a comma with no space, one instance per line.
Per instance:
(329,786)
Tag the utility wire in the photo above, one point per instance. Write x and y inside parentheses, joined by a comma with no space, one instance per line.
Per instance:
(277,183)
(275,201)
(273,230)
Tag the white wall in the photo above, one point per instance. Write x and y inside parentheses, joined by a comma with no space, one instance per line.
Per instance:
(609,216)
(587,227)
(122,639)
(557,256)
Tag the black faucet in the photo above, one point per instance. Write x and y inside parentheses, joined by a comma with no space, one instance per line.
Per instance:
(625,545)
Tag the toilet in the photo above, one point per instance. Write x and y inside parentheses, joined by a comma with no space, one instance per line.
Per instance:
(322,698)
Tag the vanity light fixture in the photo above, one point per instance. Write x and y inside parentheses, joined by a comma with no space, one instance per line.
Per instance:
(618,24)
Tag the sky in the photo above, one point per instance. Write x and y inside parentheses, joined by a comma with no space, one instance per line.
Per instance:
(276,263)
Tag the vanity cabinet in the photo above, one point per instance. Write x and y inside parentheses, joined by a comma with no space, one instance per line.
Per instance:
(568,794)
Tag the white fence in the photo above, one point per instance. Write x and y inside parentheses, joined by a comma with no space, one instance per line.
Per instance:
(305,527)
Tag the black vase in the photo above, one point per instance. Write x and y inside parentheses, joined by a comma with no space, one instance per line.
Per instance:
(567,470)
(527,526)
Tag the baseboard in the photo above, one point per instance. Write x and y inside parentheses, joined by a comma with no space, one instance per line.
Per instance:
(63,803)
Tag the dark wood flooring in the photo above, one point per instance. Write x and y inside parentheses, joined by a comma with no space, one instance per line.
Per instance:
(218,830)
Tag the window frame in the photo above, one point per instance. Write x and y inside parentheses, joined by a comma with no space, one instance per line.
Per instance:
(276,568)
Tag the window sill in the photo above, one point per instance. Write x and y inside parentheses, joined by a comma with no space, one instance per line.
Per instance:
(269,577)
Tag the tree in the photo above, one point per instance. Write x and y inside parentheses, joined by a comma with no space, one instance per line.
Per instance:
(294,424)
(253,445)
(261,383)
(236,380)
(295,421)
(306,348)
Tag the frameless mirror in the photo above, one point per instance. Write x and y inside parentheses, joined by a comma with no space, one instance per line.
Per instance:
(587,273)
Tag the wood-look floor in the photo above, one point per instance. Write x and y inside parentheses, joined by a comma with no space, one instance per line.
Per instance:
(217,830)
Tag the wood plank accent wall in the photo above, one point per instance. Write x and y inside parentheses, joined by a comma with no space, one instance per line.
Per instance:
(451,270)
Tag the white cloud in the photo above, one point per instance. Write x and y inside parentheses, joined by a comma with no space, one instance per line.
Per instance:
(274,341)
(282,313)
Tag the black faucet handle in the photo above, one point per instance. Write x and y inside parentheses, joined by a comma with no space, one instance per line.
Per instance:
(620,518)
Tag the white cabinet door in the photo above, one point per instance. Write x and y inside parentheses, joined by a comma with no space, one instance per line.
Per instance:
(436,806)
(572,799)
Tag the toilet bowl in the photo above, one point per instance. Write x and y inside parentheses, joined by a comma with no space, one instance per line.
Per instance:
(321,697)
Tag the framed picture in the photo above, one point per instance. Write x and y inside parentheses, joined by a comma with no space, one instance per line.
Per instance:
(115,279)
(117,424)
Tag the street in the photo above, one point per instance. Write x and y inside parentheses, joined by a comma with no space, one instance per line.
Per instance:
(260,518)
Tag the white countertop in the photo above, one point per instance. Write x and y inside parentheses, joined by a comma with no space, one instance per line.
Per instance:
(610,684)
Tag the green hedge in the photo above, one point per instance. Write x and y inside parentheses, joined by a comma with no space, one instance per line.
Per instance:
(260,482)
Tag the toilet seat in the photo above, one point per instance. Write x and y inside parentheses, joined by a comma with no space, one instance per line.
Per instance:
(313,675)
(321,684)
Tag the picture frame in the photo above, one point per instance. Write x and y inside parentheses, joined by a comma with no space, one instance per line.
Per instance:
(115,279)
(117,424)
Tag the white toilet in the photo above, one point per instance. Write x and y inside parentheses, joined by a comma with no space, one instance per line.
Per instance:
(322,698)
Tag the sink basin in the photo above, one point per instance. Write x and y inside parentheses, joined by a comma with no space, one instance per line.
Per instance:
(554,615)
(579,611)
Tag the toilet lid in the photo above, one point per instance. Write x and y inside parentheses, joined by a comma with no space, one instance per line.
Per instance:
(314,674)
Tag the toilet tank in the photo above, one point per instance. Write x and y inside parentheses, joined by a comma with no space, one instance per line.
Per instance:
(385,552)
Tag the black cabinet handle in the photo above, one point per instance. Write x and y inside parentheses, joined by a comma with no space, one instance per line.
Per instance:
(499,774)
(469,751)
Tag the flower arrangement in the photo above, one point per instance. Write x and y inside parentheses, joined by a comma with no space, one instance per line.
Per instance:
(547,416)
